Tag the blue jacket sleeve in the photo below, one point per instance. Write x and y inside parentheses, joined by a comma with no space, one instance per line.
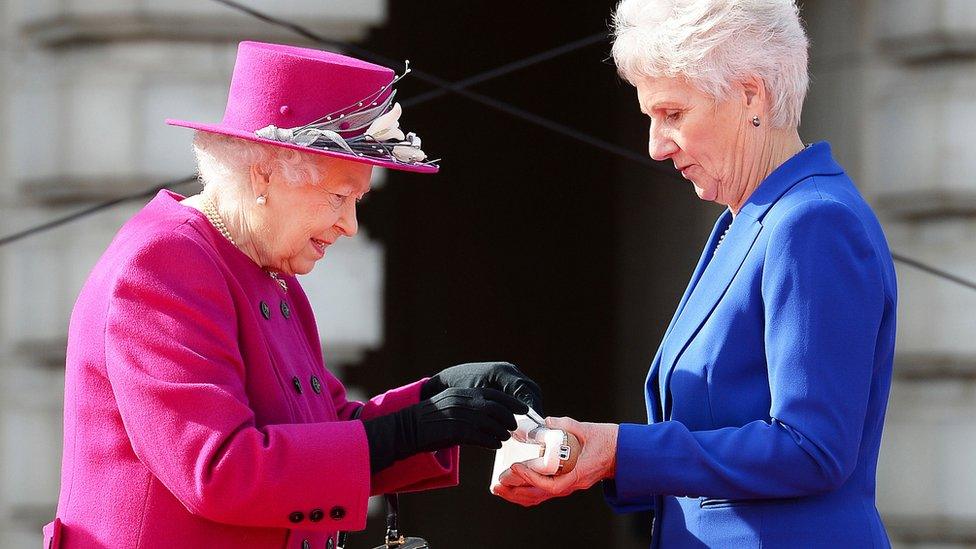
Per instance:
(823,301)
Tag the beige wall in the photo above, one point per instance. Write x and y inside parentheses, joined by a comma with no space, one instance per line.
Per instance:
(84,88)
(894,89)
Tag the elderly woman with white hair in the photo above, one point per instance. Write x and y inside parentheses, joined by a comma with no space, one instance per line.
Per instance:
(198,409)
(767,396)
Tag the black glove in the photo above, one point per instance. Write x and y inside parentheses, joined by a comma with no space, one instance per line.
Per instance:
(477,417)
(502,376)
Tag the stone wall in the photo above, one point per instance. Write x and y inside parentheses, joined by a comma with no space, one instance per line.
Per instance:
(894,89)
(84,88)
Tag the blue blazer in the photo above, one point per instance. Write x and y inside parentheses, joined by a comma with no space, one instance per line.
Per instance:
(767,396)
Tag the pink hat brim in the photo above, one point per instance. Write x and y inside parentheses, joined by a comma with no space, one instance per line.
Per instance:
(234,132)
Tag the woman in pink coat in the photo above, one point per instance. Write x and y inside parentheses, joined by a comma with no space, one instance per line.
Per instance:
(198,410)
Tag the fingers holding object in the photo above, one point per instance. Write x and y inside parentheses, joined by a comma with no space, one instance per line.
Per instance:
(510,479)
(501,410)
(569,425)
(490,440)
(560,485)
(526,496)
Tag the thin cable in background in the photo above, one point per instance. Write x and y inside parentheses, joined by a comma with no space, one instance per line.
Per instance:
(429,96)
(459,88)
(452,87)
(444,87)
(933,271)
(508,68)
(93,210)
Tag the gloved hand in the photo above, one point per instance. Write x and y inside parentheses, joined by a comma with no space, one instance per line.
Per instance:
(502,376)
(477,417)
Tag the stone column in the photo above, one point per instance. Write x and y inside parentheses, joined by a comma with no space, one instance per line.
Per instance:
(894,89)
(84,88)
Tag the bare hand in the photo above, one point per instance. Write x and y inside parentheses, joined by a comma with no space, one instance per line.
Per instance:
(597,461)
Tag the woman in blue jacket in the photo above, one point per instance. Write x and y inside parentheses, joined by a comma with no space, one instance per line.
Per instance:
(766,398)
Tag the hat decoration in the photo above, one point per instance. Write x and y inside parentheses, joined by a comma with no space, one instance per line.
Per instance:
(318,102)
(382,140)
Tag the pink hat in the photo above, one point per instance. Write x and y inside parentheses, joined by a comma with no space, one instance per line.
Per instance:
(318,102)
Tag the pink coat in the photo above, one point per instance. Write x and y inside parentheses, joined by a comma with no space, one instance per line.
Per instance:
(198,411)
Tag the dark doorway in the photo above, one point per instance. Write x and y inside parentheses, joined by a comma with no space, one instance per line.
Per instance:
(510,253)
(507,253)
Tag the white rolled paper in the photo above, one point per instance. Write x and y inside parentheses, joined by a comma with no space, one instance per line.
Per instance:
(535,446)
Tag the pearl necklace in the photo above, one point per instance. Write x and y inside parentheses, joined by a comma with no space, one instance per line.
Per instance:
(721,239)
(214,218)
(210,210)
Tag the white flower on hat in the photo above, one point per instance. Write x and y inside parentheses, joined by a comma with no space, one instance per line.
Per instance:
(387,126)
(410,151)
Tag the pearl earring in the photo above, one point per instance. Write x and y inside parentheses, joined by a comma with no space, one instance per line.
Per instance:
(262,200)
(755,121)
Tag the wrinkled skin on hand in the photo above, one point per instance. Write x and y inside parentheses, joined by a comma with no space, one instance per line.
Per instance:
(597,461)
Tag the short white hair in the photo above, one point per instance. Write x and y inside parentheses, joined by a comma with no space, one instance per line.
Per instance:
(223,159)
(712,44)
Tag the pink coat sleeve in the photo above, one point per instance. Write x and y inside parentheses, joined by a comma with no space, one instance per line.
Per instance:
(420,472)
(175,368)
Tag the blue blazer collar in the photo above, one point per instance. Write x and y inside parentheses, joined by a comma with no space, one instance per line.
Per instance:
(813,160)
(716,269)
(657,404)
(716,276)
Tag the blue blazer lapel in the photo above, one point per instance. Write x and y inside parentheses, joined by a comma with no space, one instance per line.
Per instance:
(720,225)
(714,274)
(652,397)
(655,405)
(708,290)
